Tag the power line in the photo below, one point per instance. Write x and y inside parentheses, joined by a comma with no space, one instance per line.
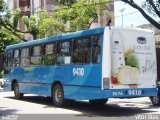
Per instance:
(127,14)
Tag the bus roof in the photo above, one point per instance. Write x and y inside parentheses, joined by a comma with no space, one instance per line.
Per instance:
(57,38)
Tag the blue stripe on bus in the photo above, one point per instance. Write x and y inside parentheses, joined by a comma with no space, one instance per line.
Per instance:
(63,84)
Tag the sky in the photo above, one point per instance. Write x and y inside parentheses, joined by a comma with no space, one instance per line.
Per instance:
(133,19)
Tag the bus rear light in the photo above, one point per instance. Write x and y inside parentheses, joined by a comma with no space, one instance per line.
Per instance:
(106,83)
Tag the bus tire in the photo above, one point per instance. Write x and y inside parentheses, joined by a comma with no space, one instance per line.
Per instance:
(58,95)
(155,100)
(16,91)
(98,102)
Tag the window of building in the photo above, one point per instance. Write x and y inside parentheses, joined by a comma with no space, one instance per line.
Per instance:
(42,4)
(36,57)
(49,54)
(81,50)
(15,4)
(96,49)
(25,61)
(64,53)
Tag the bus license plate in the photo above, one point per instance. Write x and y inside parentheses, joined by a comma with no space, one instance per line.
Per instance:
(134,92)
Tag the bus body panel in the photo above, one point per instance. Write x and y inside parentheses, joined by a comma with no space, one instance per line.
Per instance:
(38,80)
(83,93)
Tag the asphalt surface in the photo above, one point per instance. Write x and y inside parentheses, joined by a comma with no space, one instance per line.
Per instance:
(42,106)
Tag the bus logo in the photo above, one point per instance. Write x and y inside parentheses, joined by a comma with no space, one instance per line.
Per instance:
(116,42)
(141,40)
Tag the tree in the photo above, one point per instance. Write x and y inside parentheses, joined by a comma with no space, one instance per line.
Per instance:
(10,22)
(73,16)
(69,16)
(8,32)
(32,25)
(66,2)
(149,8)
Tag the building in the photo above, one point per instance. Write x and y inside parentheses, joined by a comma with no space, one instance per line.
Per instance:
(103,17)
(30,7)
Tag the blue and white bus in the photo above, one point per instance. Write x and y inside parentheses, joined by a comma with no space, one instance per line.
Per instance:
(92,65)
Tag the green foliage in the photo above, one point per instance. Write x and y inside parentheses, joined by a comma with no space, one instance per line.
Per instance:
(6,38)
(1,74)
(32,25)
(2,6)
(66,2)
(16,17)
(81,14)
(69,16)
(8,24)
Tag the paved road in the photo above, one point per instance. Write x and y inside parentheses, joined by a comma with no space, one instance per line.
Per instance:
(115,108)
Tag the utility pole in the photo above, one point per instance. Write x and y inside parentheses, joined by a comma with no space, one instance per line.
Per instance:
(122,10)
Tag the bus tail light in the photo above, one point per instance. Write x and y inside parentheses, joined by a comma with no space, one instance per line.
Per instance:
(106,83)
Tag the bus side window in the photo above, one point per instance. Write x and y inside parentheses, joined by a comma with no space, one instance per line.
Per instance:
(7,62)
(36,55)
(64,53)
(49,54)
(25,61)
(81,50)
(76,57)
(16,59)
(9,59)
(96,49)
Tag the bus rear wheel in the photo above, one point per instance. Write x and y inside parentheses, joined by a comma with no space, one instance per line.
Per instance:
(155,100)
(98,102)
(58,96)
(17,94)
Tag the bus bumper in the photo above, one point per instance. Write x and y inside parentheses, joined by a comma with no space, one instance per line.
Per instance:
(126,93)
